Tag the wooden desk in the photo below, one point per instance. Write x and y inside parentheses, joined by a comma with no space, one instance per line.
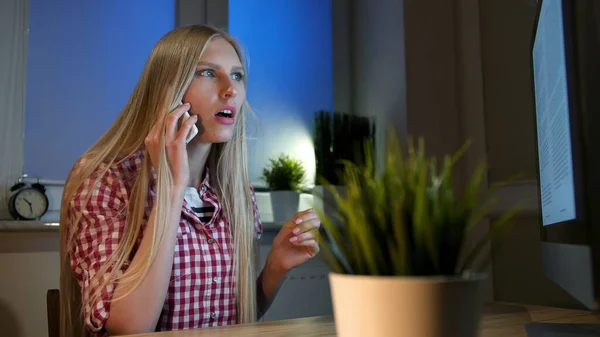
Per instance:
(499,320)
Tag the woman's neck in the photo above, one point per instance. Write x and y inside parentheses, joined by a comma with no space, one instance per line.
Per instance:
(197,156)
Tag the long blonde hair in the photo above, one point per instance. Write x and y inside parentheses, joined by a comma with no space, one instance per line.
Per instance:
(166,76)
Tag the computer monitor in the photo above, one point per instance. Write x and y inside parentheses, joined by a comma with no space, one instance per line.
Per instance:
(565,55)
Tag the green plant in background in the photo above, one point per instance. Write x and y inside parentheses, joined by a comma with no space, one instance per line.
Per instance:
(340,136)
(284,174)
(408,220)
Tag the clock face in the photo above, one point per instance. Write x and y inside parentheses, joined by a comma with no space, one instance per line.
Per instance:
(31,203)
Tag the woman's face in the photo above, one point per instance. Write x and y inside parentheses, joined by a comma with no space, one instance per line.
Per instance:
(217,92)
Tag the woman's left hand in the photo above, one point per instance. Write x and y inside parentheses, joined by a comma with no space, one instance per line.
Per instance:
(296,242)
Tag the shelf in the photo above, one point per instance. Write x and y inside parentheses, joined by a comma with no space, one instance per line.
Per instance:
(28,226)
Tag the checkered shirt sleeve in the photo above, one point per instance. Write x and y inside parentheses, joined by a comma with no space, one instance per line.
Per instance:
(98,233)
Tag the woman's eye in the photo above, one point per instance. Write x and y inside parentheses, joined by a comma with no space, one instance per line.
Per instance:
(206,73)
(237,76)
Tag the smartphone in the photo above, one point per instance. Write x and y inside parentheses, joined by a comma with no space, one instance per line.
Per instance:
(193,131)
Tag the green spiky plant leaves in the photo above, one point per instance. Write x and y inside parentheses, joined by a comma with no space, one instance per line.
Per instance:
(408,219)
(284,174)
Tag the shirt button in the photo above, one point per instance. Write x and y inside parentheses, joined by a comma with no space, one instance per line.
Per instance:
(216,279)
(211,241)
(213,315)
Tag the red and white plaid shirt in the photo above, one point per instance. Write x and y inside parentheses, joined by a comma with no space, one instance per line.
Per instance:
(200,292)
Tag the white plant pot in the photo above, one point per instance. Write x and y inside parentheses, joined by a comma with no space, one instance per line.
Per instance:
(380,306)
(285,205)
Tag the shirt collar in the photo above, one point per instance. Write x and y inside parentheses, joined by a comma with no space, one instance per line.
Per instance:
(205,181)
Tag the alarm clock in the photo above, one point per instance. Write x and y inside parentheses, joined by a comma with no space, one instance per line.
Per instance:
(28,202)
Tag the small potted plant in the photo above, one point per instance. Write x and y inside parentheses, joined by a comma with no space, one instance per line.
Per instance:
(398,267)
(284,176)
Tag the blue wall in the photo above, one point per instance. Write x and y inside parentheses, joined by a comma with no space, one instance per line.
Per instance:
(290,74)
(84,60)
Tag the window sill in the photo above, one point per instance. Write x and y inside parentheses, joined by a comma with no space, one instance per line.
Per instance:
(28,226)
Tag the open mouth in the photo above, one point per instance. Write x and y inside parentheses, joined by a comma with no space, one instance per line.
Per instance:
(225,113)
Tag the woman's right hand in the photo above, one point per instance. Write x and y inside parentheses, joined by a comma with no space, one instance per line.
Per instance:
(139,309)
(175,144)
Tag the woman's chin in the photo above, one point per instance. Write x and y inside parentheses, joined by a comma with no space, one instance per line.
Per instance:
(221,136)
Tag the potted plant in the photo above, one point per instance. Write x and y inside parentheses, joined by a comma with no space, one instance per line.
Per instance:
(284,176)
(397,262)
(338,137)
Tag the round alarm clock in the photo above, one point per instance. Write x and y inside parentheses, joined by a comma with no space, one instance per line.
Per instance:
(29,202)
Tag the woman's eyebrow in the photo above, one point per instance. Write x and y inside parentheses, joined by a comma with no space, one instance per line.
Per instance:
(216,66)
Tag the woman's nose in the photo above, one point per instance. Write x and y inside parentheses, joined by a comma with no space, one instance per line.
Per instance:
(228,91)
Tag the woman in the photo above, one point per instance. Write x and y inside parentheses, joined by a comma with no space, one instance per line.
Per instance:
(157,234)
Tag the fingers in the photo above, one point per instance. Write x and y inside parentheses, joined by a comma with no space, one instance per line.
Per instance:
(306,226)
(305,236)
(172,120)
(305,221)
(304,216)
(305,243)
(306,211)
(171,123)
(309,243)
(312,246)
(185,128)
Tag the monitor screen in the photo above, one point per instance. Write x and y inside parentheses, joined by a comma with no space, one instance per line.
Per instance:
(552,113)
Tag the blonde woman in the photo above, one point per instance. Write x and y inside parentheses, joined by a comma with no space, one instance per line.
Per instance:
(157,234)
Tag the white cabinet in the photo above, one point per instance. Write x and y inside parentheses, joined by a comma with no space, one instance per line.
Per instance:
(304,292)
